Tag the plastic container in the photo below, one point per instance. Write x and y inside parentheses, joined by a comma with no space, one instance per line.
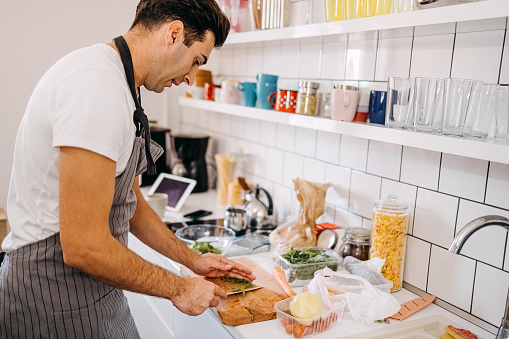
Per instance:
(357,243)
(301,274)
(388,238)
(291,325)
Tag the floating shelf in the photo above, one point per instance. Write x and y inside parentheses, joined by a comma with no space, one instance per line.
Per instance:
(484,150)
(457,13)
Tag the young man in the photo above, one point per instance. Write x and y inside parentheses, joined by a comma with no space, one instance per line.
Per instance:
(74,196)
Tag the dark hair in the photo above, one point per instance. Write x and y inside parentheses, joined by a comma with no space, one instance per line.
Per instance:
(198,17)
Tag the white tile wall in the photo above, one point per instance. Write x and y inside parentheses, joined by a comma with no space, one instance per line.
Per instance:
(334,56)
(416,262)
(360,59)
(364,191)
(353,152)
(481,25)
(420,167)
(384,159)
(254,60)
(498,185)
(289,61)
(240,57)
(456,171)
(268,133)
(305,141)
(285,137)
(346,219)
(274,168)
(431,56)
(393,58)
(293,168)
(504,72)
(338,194)
(311,56)
(314,170)
(271,57)
(327,147)
(490,293)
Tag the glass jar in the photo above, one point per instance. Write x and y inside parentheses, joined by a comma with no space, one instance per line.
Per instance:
(301,12)
(307,98)
(390,219)
(357,243)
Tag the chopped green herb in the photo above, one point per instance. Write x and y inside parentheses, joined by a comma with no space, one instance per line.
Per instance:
(304,262)
(239,290)
(205,247)
(244,282)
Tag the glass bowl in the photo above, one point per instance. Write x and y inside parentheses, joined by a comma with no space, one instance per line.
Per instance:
(218,237)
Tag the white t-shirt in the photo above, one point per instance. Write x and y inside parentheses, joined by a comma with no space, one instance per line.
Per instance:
(82,101)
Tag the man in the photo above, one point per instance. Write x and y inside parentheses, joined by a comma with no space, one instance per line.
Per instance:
(74,194)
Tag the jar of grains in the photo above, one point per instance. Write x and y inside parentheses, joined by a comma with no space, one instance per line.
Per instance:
(390,219)
(307,98)
(357,243)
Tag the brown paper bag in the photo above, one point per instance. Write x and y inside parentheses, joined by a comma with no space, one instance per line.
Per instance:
(302,232)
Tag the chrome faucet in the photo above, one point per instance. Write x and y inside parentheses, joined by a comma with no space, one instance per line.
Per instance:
(463,235)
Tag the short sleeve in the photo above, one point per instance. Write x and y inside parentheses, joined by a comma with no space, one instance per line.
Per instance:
(90,109)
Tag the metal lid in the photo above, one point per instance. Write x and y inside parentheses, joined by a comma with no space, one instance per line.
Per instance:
(358,235)
(346,87)
(327,239)
(391,203)
(309,84)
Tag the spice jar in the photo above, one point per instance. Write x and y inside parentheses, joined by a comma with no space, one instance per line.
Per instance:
(307,98)
(357,243)
(390,219)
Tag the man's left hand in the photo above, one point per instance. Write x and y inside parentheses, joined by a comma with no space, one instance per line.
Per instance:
(212,265)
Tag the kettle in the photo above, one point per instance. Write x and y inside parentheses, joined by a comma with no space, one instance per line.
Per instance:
(259,216)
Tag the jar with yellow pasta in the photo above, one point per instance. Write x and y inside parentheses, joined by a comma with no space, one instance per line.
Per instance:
(390,220)
(307,98)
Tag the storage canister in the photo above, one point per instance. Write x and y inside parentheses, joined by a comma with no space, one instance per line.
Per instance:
(357,243)
(307,98)
(390,219)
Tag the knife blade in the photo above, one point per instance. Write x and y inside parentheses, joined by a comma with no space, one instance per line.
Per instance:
(246,290)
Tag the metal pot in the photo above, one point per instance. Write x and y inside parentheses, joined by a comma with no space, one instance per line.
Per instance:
(259,216)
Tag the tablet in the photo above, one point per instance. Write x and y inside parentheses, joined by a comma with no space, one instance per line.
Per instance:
(177,188)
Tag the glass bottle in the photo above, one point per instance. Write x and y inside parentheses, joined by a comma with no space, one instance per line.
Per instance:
(307,98)
(388,240)
(357,243)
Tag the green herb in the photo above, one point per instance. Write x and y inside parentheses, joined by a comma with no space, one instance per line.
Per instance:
(239,290)
(244,282)
(305,262)
(205,247)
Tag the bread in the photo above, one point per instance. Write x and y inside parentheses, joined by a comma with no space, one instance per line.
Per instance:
(459,333)
(446,336)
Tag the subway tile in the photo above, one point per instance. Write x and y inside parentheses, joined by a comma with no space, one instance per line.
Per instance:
(447,28)
(310,56)
(392,33)
(339,177)
(488,243)
(289,61)
(506,259)
(490,293)
(361,36)
(364,191)
(367,223)
(282,198)
(268,133)
(463,177)
(214,121)
(237,126)
(406,194)
(271,57)
(327,146)
(305,141)
(504,71)
(260,158)
(420,167)
(314,170)
(327,216)
(435,217)
(214,62)
(227,61)
(360,60)
(451,277)
(285,137)
(346,219)
(393,58)
(498,185)
(293,168)
(384,159)
(480,25)
(334,56)
(239,61)
(416,262)
(353,152)
(477,55)
(432,56)
(252,129)
(254,59)
(274,165)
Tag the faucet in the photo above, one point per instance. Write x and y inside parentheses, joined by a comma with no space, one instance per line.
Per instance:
(463,235)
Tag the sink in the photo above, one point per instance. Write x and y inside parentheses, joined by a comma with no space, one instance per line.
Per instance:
(425,328)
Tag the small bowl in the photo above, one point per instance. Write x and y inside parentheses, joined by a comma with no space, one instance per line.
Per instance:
(219,237)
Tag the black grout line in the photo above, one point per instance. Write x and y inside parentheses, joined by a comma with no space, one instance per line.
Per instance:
(473,288)
(411,52)
(486,184)
(453,47)
(429,265)
(505,251)
(502,55)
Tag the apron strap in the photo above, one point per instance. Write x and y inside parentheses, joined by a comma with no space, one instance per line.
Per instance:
(140,119)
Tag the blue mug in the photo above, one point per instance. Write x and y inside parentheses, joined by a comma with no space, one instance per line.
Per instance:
(266,84)
(247,93)
(377,104)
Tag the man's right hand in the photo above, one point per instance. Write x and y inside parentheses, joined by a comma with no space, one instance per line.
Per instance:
(196,295)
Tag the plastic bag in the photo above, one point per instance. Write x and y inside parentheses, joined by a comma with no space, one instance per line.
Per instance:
(366,303)
(370,270)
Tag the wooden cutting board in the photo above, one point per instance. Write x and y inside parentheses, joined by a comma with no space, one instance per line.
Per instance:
(255,306)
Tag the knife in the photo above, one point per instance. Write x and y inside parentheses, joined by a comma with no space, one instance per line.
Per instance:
(246,290)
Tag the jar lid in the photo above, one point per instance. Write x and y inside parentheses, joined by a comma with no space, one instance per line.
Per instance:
(327,239)
(346,87)
(358,235)
(391,203)
(309,84)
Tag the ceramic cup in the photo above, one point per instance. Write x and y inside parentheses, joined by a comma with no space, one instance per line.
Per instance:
(229,93)
(344,101)
(158,202)
(286,100)
(266,84)
(377,104)
(208,92)
(247,93)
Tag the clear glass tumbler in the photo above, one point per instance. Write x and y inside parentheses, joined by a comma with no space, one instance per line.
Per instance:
(481,111)
(400,100)
(429,104)
(457,95)
(502,115)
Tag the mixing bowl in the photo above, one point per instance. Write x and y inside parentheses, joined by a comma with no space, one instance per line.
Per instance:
(217,236)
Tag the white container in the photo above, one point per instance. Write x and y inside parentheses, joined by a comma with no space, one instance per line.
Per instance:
(344,102)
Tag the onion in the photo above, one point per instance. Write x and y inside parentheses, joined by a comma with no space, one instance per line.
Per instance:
(307,307)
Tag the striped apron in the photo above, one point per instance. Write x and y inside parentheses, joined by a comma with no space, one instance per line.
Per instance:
(42,297)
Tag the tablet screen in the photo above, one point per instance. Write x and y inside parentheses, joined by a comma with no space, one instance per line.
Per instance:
(174,189)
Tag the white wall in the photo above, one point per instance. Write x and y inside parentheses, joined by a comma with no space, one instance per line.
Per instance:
(35,34)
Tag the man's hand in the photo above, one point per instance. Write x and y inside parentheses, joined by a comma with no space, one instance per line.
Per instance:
(197,295)
(213,266)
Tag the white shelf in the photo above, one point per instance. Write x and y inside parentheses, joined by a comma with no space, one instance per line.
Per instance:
(463,12)
(485,150)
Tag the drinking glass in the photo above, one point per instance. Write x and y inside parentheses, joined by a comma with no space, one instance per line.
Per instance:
(400,97)
(481,111)
(502,114)
(457,94)
(429,104)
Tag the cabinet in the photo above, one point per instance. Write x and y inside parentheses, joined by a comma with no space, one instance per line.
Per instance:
(158,318)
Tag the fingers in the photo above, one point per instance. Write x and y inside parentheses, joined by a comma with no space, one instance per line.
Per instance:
(220,292)
(214,302)
(234,266)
